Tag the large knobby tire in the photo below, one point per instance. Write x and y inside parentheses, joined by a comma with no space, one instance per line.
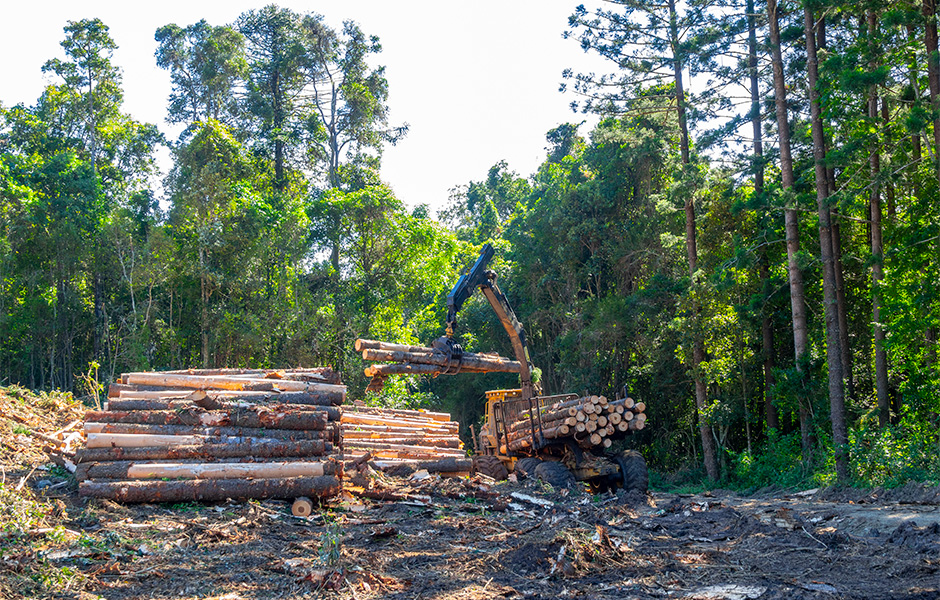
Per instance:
(633,470)
(525,467)
(555,474)
(491,466)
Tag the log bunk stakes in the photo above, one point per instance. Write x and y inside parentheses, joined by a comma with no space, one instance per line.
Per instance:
(592,422)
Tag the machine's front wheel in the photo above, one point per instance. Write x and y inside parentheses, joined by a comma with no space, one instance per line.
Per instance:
(633,470)
(555,474)
(490,466)
(525,467)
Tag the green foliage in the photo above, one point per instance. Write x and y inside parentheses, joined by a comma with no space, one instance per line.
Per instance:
(777,462)
(894,455)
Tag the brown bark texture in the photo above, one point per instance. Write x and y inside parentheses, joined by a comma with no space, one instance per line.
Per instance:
(250,448)
(209,490)
(833,341)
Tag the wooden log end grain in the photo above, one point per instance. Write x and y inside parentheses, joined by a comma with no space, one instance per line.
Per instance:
(302,507)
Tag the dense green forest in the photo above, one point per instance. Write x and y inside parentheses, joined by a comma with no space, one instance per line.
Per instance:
(749,239)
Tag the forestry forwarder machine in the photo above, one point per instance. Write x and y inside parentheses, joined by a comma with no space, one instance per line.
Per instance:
(557,462)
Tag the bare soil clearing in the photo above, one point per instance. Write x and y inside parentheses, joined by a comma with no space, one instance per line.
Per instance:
(464,538)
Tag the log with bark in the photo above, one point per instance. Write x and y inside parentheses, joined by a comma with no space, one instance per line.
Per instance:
(252,447)
(142,439)
(255,417)
(468,360)
(590,421)
(417,449)
(453,442)
(203,490)
(445,465)
(352,419)
(250,432)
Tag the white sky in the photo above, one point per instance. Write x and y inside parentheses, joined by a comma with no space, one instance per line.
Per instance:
(476,81)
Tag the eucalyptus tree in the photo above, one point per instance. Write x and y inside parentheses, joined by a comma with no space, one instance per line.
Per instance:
(346,102)
(82,113)
(91,84)
(206,65)
(348,123)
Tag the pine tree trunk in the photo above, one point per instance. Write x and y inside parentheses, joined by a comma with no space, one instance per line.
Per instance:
(929,9)
(709,450)
(833,351)
(100,325)
(797,295)
(877,252)
(767,331)
(841,304)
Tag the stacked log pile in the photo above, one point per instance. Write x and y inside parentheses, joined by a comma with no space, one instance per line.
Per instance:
(204,435)
(592,422)
(393,438)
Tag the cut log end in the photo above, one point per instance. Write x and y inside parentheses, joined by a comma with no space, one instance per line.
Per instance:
(302,507)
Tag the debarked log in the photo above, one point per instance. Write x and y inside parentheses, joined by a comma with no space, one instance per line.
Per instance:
(396,412)
(229,383)
(202,490)
(379,419)
(204,470)
(252,447)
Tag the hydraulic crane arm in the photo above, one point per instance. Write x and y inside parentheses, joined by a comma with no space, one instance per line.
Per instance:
(480,277)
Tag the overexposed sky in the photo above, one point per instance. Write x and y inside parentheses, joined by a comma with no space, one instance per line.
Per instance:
(476,81)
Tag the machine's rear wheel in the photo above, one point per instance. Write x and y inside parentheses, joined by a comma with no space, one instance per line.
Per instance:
(525,467)
(634,472)
(555,474)
(490,466)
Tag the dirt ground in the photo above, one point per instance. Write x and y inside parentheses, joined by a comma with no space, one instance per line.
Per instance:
(465,539)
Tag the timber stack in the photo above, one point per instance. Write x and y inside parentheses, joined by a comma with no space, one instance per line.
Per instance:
(592,422)
(212,434)
(393,438)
